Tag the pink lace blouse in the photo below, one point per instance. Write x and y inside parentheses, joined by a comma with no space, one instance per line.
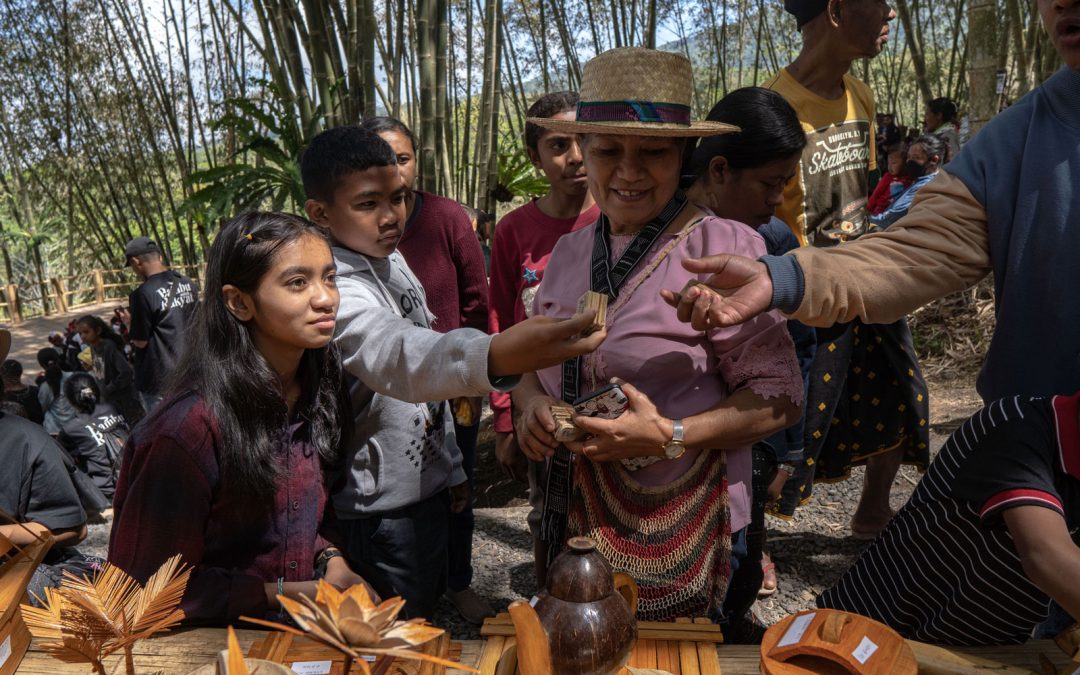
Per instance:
(683,371)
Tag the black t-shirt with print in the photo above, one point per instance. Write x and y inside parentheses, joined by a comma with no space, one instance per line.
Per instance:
(161,309)
(95,442)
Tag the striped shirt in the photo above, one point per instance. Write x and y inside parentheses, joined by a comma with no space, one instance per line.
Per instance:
(945,569)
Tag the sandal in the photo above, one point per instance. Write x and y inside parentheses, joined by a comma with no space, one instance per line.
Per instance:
(768,579)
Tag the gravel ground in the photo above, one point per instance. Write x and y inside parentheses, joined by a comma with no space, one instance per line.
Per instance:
(810,552)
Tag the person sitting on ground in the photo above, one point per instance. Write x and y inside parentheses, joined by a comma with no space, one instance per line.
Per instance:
(697,400)
(404,457)
(229,469)
(924,158)
(741,176)
(892,183)
(520,254)
(37,497)
(984,542)
(58,410)
(96,436)
(19,392)
(111,367)
(441,248)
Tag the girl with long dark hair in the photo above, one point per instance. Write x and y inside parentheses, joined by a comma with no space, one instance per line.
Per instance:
(229,469)
(110,366)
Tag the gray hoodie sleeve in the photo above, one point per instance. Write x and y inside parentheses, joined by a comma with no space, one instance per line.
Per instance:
(410,363)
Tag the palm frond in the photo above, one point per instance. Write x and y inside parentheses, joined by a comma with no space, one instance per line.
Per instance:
(154,608)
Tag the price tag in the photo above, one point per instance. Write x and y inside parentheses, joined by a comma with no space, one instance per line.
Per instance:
(865,650)
(5,650)
(796,630)
(311,667)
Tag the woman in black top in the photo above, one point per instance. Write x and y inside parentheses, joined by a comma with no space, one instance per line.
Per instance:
(111,367)
(96,436)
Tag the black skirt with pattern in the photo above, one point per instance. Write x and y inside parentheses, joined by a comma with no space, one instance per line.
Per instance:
(867,396)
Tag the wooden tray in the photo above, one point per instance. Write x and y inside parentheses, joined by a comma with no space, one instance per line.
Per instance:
(685,647)
(287,649)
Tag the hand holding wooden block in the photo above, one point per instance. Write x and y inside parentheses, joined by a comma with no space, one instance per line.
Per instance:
(565,431)
(598,302)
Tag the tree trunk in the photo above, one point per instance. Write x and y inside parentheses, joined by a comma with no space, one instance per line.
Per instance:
(982,61)
(426,28)
(918,59)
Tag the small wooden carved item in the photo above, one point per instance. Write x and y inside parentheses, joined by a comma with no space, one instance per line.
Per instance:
(830,641)
(597,301)
(583,622)
(565,431)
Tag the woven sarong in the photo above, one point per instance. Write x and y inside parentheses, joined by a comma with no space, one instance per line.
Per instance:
(674,539)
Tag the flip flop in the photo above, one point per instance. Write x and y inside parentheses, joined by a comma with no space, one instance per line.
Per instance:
(768,569)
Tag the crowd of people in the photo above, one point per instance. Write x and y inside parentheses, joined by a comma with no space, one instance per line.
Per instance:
(313,413)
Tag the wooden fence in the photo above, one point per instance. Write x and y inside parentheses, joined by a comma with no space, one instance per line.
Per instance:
(61,295)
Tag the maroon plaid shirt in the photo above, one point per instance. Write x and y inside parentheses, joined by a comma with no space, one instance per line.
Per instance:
(171,498)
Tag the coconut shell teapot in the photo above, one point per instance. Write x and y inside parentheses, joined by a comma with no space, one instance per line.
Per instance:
(583,622)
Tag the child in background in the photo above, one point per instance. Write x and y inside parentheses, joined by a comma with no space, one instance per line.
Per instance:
(57,409)
(111,366)
(228,470)
(892,183)
(523,243)
(403,459)
(440,246)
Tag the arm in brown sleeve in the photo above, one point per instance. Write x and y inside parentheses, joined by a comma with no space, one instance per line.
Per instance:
(941,246)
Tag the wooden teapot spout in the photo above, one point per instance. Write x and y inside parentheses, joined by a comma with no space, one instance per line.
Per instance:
(533,648)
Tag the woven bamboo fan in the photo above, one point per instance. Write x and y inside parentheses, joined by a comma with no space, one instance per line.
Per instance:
(827,641)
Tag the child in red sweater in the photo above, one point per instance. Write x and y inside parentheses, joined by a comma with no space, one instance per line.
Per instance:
(524,239)
(892,183)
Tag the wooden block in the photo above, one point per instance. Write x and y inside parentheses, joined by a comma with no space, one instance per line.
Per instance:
(598,302)
(708,664)
(565,431)
(648,654)
(674,664)
(489,658)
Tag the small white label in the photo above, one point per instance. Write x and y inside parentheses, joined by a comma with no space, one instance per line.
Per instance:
(5,650)
(535,599)
(796,630)
(865,650)
(312,667)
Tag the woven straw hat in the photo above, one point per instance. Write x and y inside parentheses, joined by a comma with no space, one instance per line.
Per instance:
(636,92)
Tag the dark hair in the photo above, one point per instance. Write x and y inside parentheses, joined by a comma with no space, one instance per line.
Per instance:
(49,359)
(82,390)
(338,152)
(236,383)
(101,328)
(11,368)
(378,125)
(944,107)
(934,145)
(769,131)
(548,105)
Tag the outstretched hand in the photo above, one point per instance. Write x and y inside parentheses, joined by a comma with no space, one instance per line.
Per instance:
(540,342)
(739,289)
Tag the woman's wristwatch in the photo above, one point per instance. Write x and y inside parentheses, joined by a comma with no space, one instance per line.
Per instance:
(324,557)
(675,448)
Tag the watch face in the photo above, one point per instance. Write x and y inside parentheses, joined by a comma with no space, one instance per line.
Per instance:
(674,450)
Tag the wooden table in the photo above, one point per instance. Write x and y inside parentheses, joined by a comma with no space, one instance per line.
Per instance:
(182,651)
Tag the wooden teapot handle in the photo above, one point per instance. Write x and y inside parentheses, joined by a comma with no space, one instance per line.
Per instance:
(533,648)
(627,587)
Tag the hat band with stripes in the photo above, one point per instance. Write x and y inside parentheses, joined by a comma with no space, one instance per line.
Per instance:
(633,111)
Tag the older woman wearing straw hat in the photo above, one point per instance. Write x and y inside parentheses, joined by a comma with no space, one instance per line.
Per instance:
(663,488)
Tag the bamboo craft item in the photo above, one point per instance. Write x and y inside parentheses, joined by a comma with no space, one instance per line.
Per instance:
(304,655)
(595,301)
(685,647)
(15,574)
(565,431)
(830,641)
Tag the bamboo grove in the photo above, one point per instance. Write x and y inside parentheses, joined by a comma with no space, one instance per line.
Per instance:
(124,117)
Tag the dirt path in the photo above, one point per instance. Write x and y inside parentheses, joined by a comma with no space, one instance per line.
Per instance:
(31,335)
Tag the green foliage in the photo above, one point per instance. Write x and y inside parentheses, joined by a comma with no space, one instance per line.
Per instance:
(517,177)
(265,171)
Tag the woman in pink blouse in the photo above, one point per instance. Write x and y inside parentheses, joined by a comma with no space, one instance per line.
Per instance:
(663,488)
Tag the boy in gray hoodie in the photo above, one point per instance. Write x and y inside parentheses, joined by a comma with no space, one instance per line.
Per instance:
(403,470)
